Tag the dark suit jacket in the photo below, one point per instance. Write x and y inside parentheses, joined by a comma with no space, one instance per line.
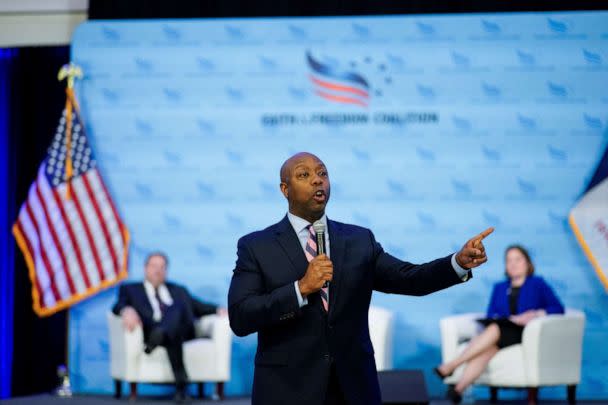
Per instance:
(535,293)
(134,295)
(297,345)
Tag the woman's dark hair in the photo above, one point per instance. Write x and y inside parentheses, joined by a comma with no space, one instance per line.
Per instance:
(524,252)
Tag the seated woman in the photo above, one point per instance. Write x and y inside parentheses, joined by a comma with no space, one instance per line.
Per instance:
(520,299)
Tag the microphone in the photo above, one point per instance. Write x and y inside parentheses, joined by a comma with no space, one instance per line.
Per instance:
(319,228)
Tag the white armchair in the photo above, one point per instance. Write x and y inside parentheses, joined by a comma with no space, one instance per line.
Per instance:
(206,358)
(550,353)
(381,334)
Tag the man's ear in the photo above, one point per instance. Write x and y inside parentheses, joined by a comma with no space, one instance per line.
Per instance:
(284,189)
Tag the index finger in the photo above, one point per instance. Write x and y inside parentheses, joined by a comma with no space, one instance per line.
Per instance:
(484,233)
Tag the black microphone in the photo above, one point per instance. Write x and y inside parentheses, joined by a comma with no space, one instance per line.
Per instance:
(319,228)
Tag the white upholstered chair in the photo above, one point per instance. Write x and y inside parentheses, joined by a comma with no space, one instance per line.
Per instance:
(206,358)
(381,334)
(549,354)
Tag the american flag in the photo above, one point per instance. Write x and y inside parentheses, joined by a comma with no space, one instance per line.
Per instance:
(68,228)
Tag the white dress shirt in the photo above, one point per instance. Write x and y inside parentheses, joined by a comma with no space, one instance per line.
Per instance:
(165,297)
(300,226)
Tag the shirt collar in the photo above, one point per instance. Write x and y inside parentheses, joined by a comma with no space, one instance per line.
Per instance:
(149,287)
(298,224)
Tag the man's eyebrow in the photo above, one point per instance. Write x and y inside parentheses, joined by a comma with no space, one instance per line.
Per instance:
(300,165)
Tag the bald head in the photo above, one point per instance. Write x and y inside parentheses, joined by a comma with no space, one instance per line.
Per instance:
(289,164)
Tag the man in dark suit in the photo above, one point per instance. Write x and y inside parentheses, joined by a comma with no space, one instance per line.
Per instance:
(166,312)
(313,341)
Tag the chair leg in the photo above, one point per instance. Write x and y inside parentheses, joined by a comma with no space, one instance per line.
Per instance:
(117,389)
(220,390)
(572,394)
(201,390)
(133,394)
(493,395)
(532,395)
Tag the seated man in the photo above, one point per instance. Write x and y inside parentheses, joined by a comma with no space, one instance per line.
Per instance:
(166,312)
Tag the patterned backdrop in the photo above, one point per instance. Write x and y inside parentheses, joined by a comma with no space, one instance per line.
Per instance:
(432,127)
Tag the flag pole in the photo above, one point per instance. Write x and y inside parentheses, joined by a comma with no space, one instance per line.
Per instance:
(70,72)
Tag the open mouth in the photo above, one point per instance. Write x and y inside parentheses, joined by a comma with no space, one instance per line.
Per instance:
(320,196)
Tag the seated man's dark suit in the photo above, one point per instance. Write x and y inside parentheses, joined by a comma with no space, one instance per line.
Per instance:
(301,349)
(176,325)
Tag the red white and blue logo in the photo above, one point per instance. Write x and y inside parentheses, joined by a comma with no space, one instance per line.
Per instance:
(337,85)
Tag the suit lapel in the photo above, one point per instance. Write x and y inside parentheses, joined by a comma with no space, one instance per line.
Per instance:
(337,246)
(289,242)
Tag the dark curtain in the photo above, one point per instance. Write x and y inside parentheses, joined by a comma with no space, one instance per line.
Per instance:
(35,103)
(118,9)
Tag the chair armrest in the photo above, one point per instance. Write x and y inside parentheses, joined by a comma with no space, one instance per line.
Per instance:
(125,348)
(552,348)
(217,328)
(381,328)
(204,326)
(455,330)
(214,327)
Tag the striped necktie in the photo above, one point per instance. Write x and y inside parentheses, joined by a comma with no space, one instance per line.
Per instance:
(310,250)
(161,305)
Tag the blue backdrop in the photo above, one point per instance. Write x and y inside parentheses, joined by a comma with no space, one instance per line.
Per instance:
(6,242)
(432,127)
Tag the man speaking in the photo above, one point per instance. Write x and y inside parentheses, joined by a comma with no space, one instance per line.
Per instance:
(311,310)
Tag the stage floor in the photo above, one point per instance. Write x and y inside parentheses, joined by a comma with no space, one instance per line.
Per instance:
(107,400)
